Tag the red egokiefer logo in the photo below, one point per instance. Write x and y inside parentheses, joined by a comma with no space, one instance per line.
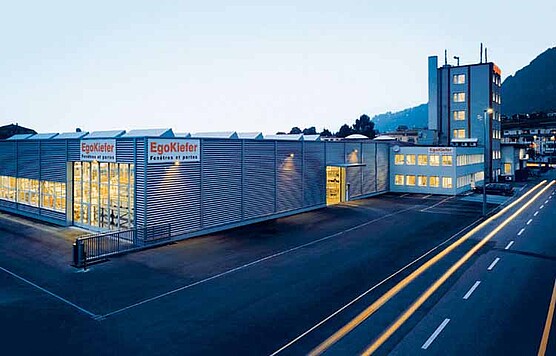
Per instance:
(97,147)
(172,147)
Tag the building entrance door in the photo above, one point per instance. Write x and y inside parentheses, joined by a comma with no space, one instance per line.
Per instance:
(335,186)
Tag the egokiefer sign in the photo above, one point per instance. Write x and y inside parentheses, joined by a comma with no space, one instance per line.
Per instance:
(173,150)
(98,150)
(437,150)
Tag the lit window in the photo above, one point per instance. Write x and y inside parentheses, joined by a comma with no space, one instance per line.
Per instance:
(459,115)
(410,180)
(8,188)
(446,160)
(422,160)
(507,168)
(434,160)
(459,79)
(433,181)
(459,97)
(398,180)
(422,181)
(398,159)
(410,160)
(447,182)
(458,133)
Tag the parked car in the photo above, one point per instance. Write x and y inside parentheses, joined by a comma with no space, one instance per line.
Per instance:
(496,189)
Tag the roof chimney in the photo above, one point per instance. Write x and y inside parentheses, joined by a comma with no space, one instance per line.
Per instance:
(486,55)
(481,53)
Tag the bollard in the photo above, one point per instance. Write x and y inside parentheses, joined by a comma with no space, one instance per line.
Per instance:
(78,254)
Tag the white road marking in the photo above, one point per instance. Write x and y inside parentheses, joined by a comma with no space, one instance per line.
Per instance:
(493,263)
(252,263)
(520,232)
(83,310)
(426,196)
(509,245)
(437,204)
(546,201)
(404,195)
(536,213)
(435,334)
(529,221)
(471,290)
(542,206)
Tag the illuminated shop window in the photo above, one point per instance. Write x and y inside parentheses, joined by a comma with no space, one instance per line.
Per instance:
(8,188)
(434,160)
(410,180)
(399,159)
(410,160)
(53,196)
(422,160)
(398,179)
(446,160)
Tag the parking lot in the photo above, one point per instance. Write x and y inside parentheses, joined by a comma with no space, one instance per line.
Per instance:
(266,282)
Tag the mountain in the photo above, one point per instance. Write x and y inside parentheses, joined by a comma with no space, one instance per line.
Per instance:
(415,117)
(532,88)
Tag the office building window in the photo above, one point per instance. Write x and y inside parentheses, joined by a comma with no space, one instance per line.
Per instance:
(446,160)
(459,79)
(410,180)
(422,181)
(507,168)
(398,159)
(447,182)
(459,115)
(459,97)
(422,160)
(434,160)
(459,133)
(398,179)
(410,160)
(434,181)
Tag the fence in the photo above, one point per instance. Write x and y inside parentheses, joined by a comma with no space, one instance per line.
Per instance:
(92,248)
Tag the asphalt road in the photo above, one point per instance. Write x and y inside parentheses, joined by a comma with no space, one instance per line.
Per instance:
(257,289)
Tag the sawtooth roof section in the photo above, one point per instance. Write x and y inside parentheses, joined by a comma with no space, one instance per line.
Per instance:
(149,133)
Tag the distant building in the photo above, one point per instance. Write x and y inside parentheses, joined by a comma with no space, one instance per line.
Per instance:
(10,130)
(459,96)
(536,131)
(407,135)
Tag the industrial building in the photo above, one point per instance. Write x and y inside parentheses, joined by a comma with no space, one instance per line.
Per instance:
(435,169)
(461,97)
(201,183)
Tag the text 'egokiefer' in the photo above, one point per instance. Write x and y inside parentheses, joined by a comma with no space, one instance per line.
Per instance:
(173,150)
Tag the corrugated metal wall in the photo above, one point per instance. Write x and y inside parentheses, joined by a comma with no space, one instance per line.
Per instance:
(382,152)
(53,161)
(258,179)
(28,159)
(8,163)
(289,175)
(369,169)
(314,180)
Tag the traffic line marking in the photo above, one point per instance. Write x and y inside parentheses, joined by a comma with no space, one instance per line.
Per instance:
(62,299)
(435,334)
(509,245)
(471,290)
(427,196)
(536,213)
(521,231)
(529,221)
(493,263)
(548,323)
(440,281)
(546,201)
(542,206)
(437,204)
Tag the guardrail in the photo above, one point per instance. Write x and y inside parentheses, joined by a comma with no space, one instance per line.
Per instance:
(91,248)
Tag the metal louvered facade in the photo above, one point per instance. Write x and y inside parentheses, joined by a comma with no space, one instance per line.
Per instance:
(234,182)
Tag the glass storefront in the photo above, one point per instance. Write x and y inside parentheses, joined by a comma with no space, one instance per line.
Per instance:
(32,192)
(103,194)
(334,185)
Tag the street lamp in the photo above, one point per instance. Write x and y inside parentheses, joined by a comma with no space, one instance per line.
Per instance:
(486,116)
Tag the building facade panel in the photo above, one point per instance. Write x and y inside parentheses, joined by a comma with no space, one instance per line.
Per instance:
(289,171)
(259,178)
(8,163)
(314,174)
(53,161)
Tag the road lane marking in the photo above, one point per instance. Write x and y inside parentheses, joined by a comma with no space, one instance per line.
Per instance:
(440,281)
(365,314)
(471,290)
(493,263)
(548,323)
(435,334)
(509,245)
(542,206)
(521,231)
(529,221)
(536,213)
(437,204)
(62,299)
(404,195)
(546,201)
(427,196)
(252,263)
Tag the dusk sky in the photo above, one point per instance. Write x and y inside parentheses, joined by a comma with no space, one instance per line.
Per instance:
(243,66)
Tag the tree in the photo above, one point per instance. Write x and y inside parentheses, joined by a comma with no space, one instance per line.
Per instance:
(295,130)
(310,131)
(345,131)
(364,126)
(326,133)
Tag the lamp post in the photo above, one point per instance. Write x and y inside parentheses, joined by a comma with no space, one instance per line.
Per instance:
(486,116)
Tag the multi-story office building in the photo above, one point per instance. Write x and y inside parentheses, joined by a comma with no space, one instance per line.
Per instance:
(459,99)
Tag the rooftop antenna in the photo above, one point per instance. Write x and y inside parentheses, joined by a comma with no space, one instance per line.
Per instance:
(486,55)
(457,59)
(481,52)
(445,57)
